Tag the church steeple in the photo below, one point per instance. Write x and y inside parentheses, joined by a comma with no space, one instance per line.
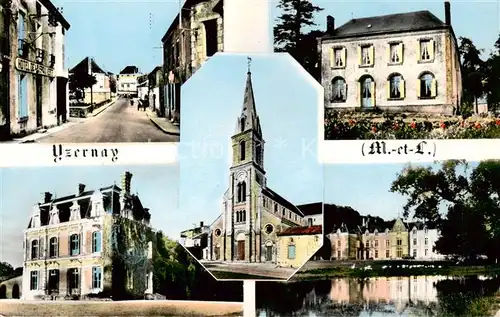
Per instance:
(249,120)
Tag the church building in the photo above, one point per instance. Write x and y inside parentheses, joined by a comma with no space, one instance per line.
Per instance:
(253,214)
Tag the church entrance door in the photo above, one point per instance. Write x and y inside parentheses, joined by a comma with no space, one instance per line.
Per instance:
(269,253)
(241,250)
(217,253)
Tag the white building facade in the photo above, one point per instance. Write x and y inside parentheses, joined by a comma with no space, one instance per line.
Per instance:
(127,81)
(422,242)
(38,92)
(405,62)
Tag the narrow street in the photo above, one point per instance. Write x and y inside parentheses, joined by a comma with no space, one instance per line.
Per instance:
(121,122)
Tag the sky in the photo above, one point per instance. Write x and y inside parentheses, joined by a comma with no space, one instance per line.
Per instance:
(287,105)
(365,187)
(118,33)
(22,188)
(478,20)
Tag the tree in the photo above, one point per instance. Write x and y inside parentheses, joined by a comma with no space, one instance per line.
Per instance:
(473,72)
(78,81)
(288,36)
(464,205)
(6,270)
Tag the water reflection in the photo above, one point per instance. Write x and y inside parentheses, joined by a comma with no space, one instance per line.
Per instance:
(381,296)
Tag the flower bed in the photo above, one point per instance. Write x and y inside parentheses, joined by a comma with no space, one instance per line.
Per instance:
(369,126)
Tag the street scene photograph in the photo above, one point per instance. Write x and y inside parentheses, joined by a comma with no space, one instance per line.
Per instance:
(401,240)
(403,70)
(251,187)
(101,241)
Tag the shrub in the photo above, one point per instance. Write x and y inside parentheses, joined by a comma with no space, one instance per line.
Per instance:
(349,126)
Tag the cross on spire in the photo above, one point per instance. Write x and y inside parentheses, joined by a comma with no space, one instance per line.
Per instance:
(249,63)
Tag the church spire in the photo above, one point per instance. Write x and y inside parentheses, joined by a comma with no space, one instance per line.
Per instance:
(248,118)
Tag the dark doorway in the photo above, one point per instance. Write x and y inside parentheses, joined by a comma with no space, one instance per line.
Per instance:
(61,99)
(53,284)
(15,291)
(241,250)
(217,253)
(39,101)
(3,291)
(269,253)
(211,36)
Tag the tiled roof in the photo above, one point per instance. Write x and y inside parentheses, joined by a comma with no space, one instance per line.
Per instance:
(130,70)
(83,66)
(393,23)
(299,231)
(282,201)
(311,209)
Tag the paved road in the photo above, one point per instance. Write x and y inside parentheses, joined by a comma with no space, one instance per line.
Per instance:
(263,270)
(121,122)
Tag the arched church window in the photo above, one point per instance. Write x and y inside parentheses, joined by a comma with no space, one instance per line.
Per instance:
(242,150)
(243,215)
(258,153)
(242,191)
(242,124)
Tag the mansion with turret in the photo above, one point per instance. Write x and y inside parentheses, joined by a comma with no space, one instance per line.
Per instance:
(88,243)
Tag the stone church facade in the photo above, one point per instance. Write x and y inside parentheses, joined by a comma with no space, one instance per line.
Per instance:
(253,214)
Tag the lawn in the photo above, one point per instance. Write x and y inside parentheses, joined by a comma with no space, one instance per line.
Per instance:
(338,270)
(124,308)
(343,125)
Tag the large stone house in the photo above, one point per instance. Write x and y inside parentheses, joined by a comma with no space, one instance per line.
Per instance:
(33,77)
(407,62)
(126,81)
(89,242)
(194,36)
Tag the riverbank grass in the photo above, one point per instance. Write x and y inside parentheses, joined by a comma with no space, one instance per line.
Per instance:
(395,270)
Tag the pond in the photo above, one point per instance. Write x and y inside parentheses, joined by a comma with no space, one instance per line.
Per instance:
(425,296)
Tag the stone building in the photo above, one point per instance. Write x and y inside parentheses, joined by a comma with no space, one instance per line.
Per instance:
(89,242)
(344,242)
(296,245)
(194,36)
(407,62)
(154,88)
(126,81)
(11,288)
(33,76)
(253,214)
(423,239)
(101,90)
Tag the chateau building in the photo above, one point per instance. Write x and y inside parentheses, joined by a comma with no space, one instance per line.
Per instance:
(423,239)
(194,36)
(88,242)
(253,214)
(33,77)
(407,62)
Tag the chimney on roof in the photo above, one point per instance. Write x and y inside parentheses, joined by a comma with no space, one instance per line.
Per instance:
(126,179)
(81,189)
(47,197)
(201,224)
(447,13)
(330,24)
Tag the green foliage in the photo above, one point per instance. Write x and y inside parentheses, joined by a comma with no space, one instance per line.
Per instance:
(177,275)
(463,202)
(342,126)
(80,80)
(289,36)
(6,270)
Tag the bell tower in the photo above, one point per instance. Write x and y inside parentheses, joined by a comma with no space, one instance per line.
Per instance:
(247,177)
